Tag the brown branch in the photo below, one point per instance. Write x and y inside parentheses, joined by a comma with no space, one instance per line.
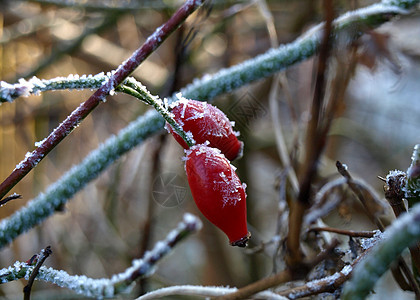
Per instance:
(363,234)
(315,143)
(122,72)
(41,259)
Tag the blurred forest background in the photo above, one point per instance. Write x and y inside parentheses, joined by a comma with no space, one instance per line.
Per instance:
(121,214)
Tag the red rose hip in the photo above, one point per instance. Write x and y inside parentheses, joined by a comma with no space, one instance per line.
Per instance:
(206,123)
(218,192)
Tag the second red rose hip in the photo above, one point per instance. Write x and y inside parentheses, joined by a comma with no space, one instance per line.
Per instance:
(218,192)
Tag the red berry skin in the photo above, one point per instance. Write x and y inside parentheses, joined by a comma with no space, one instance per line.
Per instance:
(206,123)
(218,192)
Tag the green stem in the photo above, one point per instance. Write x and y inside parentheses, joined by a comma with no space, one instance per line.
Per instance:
(136,89)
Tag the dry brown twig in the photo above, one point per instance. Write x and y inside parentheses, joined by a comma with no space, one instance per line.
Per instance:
(315,143)
(40,261)
(351,233)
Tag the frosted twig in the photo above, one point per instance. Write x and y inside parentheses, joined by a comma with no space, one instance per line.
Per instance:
(117,77)
(203,291)
(143,94)
(34,86)
(403,232)
(207,88)
(117,284)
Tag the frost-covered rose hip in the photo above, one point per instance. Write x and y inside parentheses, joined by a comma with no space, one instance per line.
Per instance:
(206,123)
(218,192)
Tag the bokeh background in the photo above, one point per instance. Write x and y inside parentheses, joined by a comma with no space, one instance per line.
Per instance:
(122,213)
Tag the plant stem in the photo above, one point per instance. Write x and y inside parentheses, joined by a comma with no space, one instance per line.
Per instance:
(316,136)
(123,71)
(140,92)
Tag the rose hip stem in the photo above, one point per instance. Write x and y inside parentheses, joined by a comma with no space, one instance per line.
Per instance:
(123,71)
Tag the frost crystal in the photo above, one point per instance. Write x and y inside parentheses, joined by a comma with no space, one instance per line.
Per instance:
(230,186)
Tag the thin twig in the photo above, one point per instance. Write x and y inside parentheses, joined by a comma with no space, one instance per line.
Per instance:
(41,259)
(342,169)
(364,234)
(123,71)
(9,198)
(136,89)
